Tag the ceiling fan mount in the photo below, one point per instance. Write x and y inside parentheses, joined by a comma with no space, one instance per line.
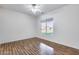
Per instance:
(33,4)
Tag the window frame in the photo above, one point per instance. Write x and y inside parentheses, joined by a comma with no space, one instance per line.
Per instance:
(47,21)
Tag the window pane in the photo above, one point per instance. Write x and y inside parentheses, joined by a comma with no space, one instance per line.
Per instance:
(50,26)
(43,27)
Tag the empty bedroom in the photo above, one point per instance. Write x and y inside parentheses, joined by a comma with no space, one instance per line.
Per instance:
(39,29)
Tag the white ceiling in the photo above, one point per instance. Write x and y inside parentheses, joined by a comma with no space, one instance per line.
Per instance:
(23,8)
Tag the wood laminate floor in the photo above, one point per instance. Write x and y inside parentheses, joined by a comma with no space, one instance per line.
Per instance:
(32,47)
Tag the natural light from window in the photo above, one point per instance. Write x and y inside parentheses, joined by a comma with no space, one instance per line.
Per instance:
(47,26)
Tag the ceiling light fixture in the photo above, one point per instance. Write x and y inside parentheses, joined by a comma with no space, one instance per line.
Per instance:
(35,8)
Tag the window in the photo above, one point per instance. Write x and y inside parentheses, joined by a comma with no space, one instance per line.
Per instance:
(47,26)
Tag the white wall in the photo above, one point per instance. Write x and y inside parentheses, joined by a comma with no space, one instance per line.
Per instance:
(15,26)
(66,26)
